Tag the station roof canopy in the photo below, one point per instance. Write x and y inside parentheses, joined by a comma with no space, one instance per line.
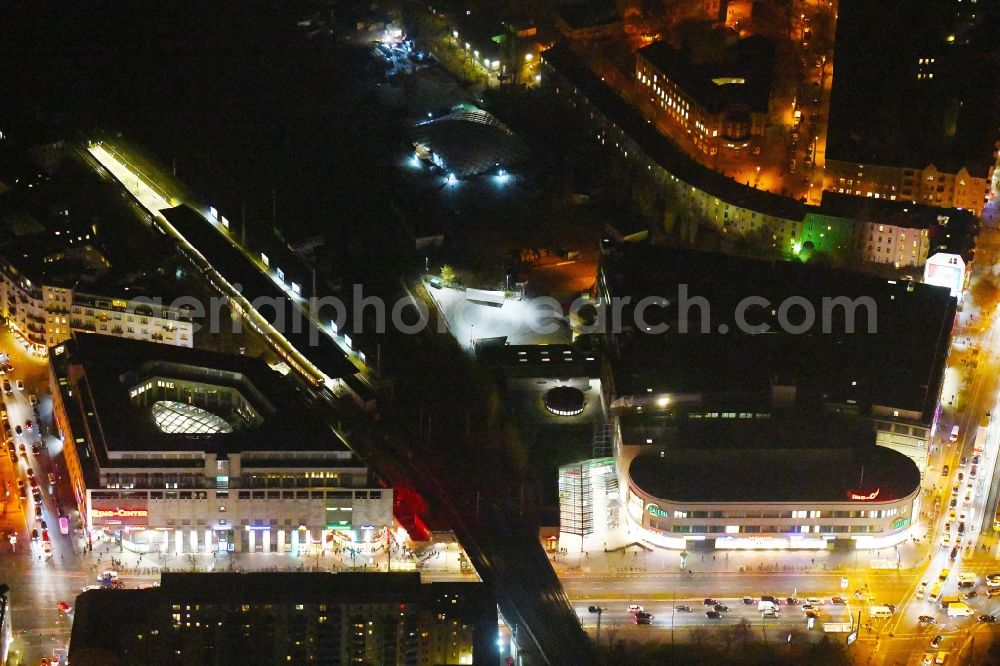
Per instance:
(470,142)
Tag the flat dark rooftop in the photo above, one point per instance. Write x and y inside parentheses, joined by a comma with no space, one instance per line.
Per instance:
(107,622)
(111,366)
(900,364)
(881,113)
(234,266)
(775,475)
(750,59)
(897,213)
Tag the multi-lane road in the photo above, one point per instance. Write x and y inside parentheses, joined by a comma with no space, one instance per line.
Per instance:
(971,390)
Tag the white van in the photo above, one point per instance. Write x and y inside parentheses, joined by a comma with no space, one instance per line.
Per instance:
(880,611)
(765,606)
(954,434)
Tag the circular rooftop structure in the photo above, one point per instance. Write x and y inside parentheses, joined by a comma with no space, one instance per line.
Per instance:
(181,418)
(564,401)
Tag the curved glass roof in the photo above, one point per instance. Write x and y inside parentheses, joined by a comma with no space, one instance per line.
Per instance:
(181,418)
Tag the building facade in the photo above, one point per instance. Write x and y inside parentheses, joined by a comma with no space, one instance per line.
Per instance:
(201,452)
(928,185)
(840,226)
(723,104)
(269,618)
(44,315)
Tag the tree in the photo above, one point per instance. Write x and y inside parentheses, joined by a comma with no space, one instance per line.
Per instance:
(447,274)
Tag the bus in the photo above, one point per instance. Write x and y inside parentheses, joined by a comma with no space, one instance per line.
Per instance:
(984,426)
(935,592)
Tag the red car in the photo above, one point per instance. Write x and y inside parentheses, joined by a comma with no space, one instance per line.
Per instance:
(64,607)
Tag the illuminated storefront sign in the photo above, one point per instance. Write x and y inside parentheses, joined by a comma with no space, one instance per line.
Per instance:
(109,514)
(901,522)
(119,513)
(862,497)
(656,511)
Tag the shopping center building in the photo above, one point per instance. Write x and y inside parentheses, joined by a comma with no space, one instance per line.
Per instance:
(180,451)
(765,483)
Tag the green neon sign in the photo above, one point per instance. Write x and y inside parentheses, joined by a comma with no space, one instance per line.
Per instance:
(656,511)
(901,522)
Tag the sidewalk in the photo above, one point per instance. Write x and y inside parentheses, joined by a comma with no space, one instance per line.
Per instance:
(430,561)
(625,556)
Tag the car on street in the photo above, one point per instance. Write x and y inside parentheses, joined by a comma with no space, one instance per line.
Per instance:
(749,601)
(928,659)
(28,425)
(643,620)
(635,608)
(926,619)
(709,601)
(24,452)
(988,618)
(808,607)
(52,479)
(945,470)
(34,535)
(644,616)
(769,613)
(945,540)
(963,461)
(6,387)
(593,609)
(713,615)
(38,512)
(953,503)
(972,472)
(20,482)
(45,534)
(63,607)
(31,473)
(36,449)
(961,529)
(33,399)
(721,608)
(971,594)
(975,460)
(840,601)
(37,497)
(953,554)
(936,641)
(961,476)
(44,525)
(682,609)
(18,430)
(814,600)
(20,385)
(791,601)
(32,480)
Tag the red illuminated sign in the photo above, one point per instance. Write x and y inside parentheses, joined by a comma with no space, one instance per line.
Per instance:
(119,513)
(862,497)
